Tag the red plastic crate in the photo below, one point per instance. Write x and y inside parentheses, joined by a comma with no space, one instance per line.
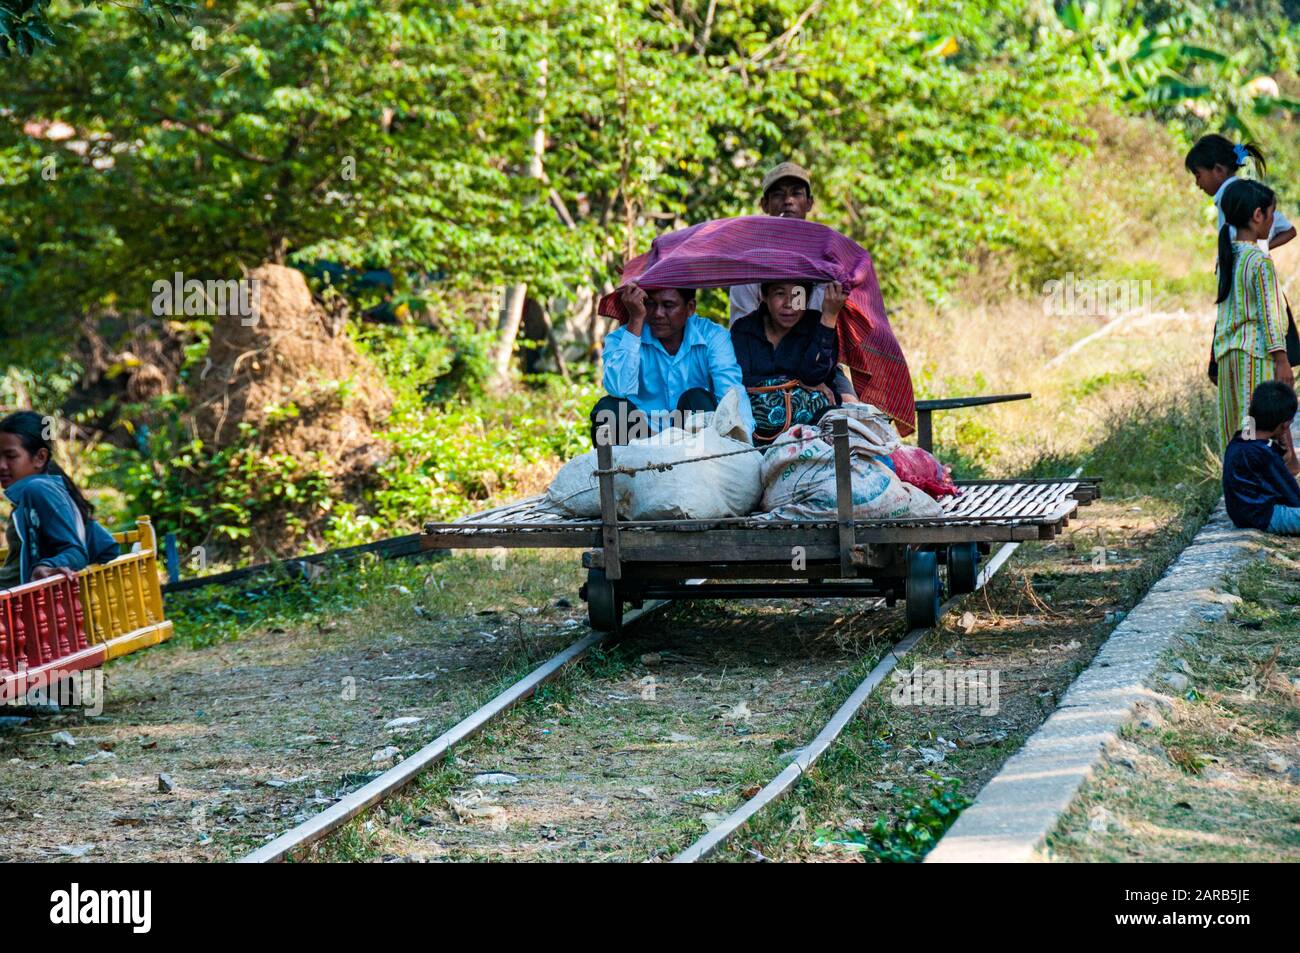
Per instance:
(42,633)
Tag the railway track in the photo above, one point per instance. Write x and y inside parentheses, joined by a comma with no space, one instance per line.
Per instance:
(292,842)
(784,782)
(395,778)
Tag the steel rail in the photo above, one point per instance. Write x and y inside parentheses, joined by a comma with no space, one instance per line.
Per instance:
(784,782)
(398,776)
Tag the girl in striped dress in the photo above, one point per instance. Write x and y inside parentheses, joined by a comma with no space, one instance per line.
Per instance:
(1250,333)
(1214,162)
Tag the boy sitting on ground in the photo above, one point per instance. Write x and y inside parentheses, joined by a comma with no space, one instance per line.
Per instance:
(1259,470)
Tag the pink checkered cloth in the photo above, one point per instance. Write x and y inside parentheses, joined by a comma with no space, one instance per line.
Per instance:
(758,248)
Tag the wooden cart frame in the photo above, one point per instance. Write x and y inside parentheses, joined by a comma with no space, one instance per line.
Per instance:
(628,562)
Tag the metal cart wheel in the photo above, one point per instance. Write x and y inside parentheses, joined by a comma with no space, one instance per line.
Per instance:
(963,567)
(922,589)
(604,607)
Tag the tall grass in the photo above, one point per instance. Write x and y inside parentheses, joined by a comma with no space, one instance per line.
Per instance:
(1154,443)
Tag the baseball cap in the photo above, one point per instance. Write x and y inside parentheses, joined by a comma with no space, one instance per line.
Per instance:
(786,170)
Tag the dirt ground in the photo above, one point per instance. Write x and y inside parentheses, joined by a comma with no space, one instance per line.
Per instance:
(631,756)
(638,753)
(1037,625)
(256,735)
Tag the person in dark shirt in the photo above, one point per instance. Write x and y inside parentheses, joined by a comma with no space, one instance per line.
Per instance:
(789,357)
(1259,475)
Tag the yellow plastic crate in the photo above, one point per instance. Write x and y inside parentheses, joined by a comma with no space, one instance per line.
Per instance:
(123,598)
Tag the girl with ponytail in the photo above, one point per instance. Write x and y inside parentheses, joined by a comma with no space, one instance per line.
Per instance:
(52,528)
(1250,333)
(1214,162)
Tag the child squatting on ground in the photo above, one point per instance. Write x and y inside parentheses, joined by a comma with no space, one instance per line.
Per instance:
(1259,469)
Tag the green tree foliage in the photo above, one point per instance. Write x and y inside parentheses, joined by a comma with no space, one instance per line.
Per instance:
(254,133)
(26,25)
(484,143)
(1199,64)
(401,133)
(926,121)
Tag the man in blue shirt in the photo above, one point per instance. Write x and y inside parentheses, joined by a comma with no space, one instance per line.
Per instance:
(667,361)
(1259,474)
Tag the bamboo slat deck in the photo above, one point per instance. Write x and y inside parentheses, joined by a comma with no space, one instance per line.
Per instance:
(839,555)
(629,561)
(987,510)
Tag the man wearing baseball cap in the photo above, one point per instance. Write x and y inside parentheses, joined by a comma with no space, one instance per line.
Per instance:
(787,193)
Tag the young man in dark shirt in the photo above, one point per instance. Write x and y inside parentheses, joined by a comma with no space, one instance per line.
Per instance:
(1259,475)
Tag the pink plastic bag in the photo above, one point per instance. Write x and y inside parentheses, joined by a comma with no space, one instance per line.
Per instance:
(919,468)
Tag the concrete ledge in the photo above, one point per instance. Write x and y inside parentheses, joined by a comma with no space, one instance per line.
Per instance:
(1017,809)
